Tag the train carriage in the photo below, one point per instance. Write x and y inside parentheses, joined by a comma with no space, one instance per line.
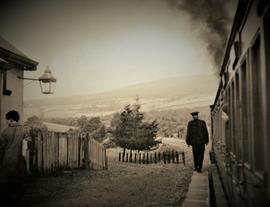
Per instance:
(241,110)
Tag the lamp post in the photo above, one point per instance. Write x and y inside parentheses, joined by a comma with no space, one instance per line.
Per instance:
(46,80)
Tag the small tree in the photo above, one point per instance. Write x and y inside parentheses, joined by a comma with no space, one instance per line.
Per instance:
(100,133)
(34,125)
(115,120)
(34,122)
(181,132)
(132,133)
(81,122)
(93,126)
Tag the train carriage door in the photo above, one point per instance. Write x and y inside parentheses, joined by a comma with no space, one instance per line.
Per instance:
(257,108)
(257,190)
(267,68)
(244,169)
(238,166)
(246,142)
(231,155)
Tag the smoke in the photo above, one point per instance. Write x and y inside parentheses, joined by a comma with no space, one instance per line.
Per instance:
(212,16)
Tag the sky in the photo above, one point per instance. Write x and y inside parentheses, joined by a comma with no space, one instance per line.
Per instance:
(99,45)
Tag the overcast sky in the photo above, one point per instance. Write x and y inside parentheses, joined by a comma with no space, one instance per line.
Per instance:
(98,45)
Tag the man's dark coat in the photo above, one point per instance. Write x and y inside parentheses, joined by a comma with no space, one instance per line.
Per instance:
(197,136)
(197,132)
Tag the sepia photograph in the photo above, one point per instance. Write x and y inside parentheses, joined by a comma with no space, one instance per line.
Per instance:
(134,103)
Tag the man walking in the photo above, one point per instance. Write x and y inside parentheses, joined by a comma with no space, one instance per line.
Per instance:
(197,137)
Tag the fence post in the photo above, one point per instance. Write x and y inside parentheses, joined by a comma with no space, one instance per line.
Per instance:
(79,150)
(31,152)
(43,152)
(67,163)
(135,157)
(183,158)
(159,156)
(123,156)
(119,159)
(88,151)
(173,160)
(177,157)
(130,156)
(147,158)
(155,157)
(143,158)
(169,157)
(126,157)
(140,158)
(106,160)
(164,157)
(34,151)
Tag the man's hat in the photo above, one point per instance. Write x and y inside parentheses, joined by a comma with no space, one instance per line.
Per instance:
(195,113)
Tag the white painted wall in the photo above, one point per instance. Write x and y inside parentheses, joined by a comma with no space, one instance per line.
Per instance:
(15,100)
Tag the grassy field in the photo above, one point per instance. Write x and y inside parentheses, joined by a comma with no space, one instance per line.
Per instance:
(123,184)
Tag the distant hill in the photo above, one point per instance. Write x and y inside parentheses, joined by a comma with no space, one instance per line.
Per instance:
(171,87)
(171,93)
(58,127)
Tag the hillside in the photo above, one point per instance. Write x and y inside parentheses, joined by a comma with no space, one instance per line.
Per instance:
(58,127)
(165,94)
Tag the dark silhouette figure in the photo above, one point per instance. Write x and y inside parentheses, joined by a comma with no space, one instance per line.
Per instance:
(12,160)
(197,137)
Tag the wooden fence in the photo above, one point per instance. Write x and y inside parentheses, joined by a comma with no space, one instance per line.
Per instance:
(51,151)
(156,157)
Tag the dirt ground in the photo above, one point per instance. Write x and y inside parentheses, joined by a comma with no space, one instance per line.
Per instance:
(123,184)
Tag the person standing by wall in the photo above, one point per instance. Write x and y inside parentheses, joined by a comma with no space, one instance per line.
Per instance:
(197,137)
(12,161)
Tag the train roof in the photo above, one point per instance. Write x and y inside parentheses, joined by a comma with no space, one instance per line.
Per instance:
(240,16)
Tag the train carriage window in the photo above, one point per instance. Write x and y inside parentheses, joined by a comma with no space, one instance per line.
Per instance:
(238,137)
(244,114)
(257,107)
(228,134)
(232,115)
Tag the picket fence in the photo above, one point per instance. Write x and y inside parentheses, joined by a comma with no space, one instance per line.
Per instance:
(53,151)
(155,157)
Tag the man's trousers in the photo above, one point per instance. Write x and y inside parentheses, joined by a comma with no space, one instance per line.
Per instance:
(198,154)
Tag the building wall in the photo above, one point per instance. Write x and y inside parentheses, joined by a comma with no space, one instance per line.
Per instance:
(15,100)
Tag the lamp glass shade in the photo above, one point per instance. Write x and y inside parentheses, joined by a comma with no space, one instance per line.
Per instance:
(47,88)
(47,82)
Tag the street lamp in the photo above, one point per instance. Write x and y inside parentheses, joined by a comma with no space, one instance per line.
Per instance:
(46,80)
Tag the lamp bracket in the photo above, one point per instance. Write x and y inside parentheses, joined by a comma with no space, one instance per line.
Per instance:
(23,78)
